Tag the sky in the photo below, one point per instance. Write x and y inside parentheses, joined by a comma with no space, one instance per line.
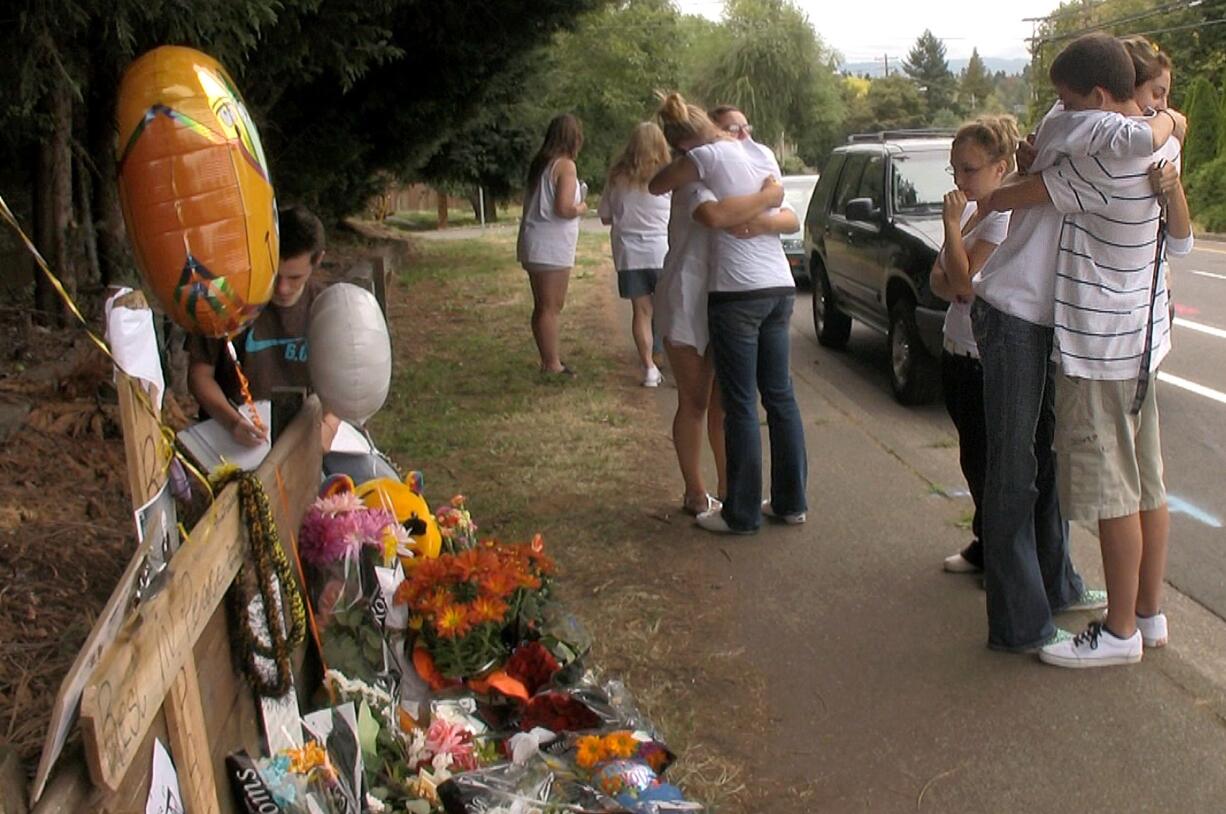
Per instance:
(862,30)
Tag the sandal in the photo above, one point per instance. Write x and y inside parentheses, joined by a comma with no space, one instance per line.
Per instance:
(712,504)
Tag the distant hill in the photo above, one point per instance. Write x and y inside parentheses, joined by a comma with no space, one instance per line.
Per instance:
(994,64)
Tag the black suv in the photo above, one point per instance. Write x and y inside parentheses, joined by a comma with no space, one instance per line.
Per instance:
(872,233)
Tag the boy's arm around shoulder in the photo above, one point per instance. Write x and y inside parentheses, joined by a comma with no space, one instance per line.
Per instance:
(1103,133)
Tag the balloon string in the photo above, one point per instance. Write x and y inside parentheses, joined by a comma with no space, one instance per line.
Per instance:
(142,398)
(245,388)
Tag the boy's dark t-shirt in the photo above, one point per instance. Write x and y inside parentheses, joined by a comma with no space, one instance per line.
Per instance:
(272,350)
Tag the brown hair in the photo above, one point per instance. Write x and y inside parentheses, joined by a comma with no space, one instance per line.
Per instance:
(644,154)
(683,122)
(716,112)
(995,135)
(1147,60)
(563,139)
(1092,61)
(300,232)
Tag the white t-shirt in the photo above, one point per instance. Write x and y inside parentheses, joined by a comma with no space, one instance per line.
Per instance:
(544,238)
(681,293)
(959,337)
(1106,265)
(739,265)
(1018,278)
(639,236)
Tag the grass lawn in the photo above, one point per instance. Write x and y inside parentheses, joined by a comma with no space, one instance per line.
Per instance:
(586,462)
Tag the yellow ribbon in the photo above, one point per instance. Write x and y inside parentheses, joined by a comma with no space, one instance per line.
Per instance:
(168,435)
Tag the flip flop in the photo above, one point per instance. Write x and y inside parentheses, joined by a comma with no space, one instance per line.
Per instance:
(712,504)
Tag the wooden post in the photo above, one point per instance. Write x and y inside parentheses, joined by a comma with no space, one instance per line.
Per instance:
(147,453)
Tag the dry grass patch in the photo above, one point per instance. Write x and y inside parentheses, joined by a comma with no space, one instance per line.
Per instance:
(573,460)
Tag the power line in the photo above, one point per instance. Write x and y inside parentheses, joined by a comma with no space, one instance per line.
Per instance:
(1179,5)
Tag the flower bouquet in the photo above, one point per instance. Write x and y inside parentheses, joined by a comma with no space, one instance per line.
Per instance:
(349,551)
(472,607)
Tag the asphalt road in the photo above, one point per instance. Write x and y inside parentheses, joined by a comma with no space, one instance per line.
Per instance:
(1192,402)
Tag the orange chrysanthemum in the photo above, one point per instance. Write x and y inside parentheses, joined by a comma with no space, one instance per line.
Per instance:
(465,565)
(487,609)
(590,751)
(452,622)
(620,744)
(498,583)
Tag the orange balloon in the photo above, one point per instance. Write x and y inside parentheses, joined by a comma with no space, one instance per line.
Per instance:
(196,194)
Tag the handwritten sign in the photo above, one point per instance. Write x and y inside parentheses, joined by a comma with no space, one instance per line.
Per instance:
(136,674)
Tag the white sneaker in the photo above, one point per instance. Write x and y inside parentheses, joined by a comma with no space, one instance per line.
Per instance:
(957,564)
(1093,647)
(653,377)
(714,521)
(1153,629)
(791,519)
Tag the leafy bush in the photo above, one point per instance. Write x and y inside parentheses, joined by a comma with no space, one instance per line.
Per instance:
(1206,190)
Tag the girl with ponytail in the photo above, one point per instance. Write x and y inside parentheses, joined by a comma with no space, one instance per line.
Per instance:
(749,301)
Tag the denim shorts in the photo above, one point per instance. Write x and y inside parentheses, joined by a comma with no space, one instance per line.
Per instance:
(633,283)
(1110,461)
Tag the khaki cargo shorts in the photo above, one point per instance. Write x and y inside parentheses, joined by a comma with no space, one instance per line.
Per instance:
(1108,461)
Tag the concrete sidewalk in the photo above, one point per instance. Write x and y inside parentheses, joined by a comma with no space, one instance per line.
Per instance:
(880,692)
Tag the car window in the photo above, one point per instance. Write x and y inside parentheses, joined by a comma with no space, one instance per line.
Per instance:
(872,182)
(918,181)
(825,185)
(849,182)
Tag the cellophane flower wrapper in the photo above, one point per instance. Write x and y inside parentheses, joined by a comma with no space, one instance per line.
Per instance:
(352,574)
(537,786)
(343,783)
(586,705)
(626,766)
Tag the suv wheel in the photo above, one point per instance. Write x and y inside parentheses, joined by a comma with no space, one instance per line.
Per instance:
(831,325)
(913,373)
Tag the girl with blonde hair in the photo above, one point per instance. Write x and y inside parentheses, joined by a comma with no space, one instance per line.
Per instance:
(980,158)
(748,302)
(639,236)
(549,232)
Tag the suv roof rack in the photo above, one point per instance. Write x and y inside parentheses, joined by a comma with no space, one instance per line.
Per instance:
(885,135)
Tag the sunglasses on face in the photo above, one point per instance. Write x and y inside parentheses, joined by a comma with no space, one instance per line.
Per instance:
(736,129)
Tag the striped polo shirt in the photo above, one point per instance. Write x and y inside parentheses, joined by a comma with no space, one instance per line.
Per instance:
(1105,265)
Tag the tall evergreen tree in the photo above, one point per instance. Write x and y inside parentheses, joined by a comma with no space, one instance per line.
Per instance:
(926,64)
(977,84)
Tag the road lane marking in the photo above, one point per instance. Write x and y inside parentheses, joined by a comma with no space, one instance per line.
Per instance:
(1180,322)
(1207,249)
(1208,274)
(1193,387)
(1178,505)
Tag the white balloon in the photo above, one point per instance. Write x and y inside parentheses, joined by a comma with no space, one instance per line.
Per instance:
(350,354)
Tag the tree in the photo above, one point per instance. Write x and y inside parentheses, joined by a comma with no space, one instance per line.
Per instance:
(1201,145)
(976,85)
(606,72)
(925,63)
(344,92)
(891,103)
(777,70)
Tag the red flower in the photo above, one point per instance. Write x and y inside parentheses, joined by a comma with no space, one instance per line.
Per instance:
(558,712)
(533,665)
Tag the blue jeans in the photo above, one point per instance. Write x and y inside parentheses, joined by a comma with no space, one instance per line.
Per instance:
(750,340)
(1027,570)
